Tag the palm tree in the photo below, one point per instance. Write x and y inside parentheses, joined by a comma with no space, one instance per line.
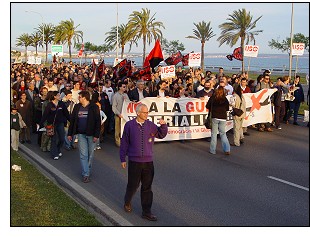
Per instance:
(144,26)
(66,32)
(240,25)
(203,33)
(35,38)
(24,40)
(124,37)
(49,33)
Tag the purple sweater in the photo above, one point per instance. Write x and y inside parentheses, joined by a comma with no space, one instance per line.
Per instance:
(137,141)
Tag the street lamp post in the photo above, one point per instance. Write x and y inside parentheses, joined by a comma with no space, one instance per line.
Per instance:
(42,32)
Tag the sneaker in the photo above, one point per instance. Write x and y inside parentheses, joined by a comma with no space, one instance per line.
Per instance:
(278,127)
(56,158)
(149,216)
(60,154)
(76,140)
(98,147)
(127,207)
(246,134)
(86,179)
(295,123)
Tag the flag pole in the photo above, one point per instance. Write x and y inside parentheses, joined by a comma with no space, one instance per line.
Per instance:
(291,44)
(296,65)
(117,30)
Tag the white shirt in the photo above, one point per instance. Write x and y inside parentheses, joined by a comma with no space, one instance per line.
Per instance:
(109,91)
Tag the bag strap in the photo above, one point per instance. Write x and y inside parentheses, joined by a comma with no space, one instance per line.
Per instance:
(55,115)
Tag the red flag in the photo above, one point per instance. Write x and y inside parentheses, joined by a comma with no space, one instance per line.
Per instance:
(154,57)
(237,54)
(185,60)
(81,51)
(124,68)
(143,73)
(174,59)
(95,74)
(101,68)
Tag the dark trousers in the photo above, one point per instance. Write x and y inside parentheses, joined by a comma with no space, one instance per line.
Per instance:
(279,113)
(140,172)
(58,139)
(294,107)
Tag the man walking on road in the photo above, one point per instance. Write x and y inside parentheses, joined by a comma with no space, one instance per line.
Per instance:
(85,122)
(137,143)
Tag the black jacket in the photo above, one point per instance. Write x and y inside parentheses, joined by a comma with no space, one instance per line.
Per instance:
(134,94)
(93,120)
(49,114)
(219,109)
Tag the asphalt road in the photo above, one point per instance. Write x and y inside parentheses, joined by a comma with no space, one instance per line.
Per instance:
(265,182)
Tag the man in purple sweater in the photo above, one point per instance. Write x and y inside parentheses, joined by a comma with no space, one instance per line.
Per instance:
(137,143)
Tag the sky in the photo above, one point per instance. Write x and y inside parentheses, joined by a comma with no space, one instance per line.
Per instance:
(95,19)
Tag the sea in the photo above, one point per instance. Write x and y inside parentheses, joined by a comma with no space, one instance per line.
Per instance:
(277,63)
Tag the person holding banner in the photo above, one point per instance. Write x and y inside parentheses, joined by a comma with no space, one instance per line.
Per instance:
(139,92)
(219,105)
(299,98)
(238,120)
(117,104)
(162,90)
(137,143)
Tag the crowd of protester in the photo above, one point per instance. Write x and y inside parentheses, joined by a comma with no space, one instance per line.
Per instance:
(36,90)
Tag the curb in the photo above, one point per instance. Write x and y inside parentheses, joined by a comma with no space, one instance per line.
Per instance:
(92,204)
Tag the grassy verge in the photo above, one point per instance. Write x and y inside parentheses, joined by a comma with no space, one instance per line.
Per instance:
(37,201)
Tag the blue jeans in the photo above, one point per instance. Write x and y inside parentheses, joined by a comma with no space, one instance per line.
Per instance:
(219,126)
(86,148)
(68,144)
(58,139)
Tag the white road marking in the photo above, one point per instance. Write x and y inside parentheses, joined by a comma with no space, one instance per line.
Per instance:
(289,183)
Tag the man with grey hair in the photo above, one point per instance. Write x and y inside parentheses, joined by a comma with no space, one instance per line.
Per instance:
(139,92)
(137,144)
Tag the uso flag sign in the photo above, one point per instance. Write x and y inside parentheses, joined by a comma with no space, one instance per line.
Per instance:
(194,60)
(298,49)
(251,51)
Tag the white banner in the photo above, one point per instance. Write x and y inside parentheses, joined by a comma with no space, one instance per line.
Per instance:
(31,60)
(298,49)
(258,107)
(251,51)
(194,60)
(167,72)
(185,117)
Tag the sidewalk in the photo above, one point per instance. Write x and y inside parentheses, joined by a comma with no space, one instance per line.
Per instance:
(102,212)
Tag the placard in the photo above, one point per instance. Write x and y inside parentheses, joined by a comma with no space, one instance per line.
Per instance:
(168,71)
(194,60)
(251,51)
(298,49)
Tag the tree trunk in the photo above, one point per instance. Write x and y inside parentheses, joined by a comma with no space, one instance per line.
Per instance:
(242,46)
(202,64)
(45,52)
(144,43)
(26,53)
(122,54)
(70,56)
